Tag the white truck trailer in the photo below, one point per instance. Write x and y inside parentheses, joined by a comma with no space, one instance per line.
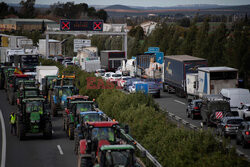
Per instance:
(43,71)
(210,80)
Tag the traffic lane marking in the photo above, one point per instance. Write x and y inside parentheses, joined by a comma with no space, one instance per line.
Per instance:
(60,149)
(177,101)
(3,159)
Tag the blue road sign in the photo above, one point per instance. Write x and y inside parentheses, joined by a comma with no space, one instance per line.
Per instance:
(153,49)
(142,87)
(159,57)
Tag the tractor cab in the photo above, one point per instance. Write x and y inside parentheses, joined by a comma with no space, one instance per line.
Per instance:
(95,135)
(116,155)
(59,97)
(27,92)
(75,98)
(68,78)
(33,117)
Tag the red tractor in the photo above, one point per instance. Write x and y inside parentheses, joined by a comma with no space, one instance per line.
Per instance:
(94,136)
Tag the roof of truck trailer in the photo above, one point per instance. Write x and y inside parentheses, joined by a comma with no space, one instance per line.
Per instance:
(184,58)
(216,69)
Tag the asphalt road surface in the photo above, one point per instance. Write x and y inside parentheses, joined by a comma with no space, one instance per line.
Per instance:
(177,106)
(36,151)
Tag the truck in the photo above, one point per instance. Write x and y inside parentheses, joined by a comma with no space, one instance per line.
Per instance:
(43,71)
(176,67)
(54,47)
(213,109)
(26,59)
(210,80)
(111,59)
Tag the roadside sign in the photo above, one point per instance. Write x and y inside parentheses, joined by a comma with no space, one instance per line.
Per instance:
(81,25)
(142,87)
(79,43)
(153,49)
(159,57)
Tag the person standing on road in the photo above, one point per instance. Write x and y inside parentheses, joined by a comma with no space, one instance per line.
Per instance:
(13,123)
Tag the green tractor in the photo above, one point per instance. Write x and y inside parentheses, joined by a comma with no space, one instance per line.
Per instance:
(13,85)
(27,92)
(8,71)
(47,85)
(34,117)
(58,98)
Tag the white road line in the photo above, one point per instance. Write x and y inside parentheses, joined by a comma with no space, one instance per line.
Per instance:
(3,159)
(53,132)
(177,101)
(60,149)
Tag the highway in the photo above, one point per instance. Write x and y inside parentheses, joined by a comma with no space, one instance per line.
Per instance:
(36,151)
(177,106)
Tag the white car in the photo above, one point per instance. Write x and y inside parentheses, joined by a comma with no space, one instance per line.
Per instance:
(132,88)
(114,78)
(68,64)
(107,75)
(100,72)
(244,111)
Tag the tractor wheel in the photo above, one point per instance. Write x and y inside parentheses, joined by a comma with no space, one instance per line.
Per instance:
(86,162)
(47,132)
(76,144)
(71,131)
(192,116)
(244,144)
(20,131)
(53,108)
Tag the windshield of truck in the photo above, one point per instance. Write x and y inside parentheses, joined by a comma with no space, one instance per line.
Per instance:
(82,107)
(34,106)
(91,118)
(103,134)
(119,158)
(67,92)
(234,121)
(29,60)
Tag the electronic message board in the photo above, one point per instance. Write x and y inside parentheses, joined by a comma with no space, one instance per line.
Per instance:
(81,25)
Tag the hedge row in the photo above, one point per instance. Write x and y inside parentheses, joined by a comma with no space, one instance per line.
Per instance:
(172,145)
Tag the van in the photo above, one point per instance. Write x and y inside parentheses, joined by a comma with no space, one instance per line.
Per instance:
(237,97)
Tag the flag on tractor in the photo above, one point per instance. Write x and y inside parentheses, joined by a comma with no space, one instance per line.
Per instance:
(18,71)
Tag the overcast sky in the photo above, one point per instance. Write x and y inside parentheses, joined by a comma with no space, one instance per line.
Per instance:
(162,3)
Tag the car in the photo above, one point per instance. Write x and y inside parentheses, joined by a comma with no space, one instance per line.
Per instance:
(107,75)
(100,72)
(67,64)
(228,126)
(243,134)
(244,111)
(65,61)
(193,108)
(121,82)
(132,87)
(114,78)
(129,83)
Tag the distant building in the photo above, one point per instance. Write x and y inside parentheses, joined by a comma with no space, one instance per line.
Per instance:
(53,27)
(148,27)
(152,15)
(12,24)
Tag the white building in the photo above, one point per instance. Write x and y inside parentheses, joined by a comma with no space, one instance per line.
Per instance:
(148,27)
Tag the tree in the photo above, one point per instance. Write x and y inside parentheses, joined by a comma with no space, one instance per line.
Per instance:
(3,10)
(185,22)
(27,9)
(91,12)
(102,14)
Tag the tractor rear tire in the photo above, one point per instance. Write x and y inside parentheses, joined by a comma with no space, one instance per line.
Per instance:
(86,162)
(53,108)
(20,131)
(71,131)
(47,132)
